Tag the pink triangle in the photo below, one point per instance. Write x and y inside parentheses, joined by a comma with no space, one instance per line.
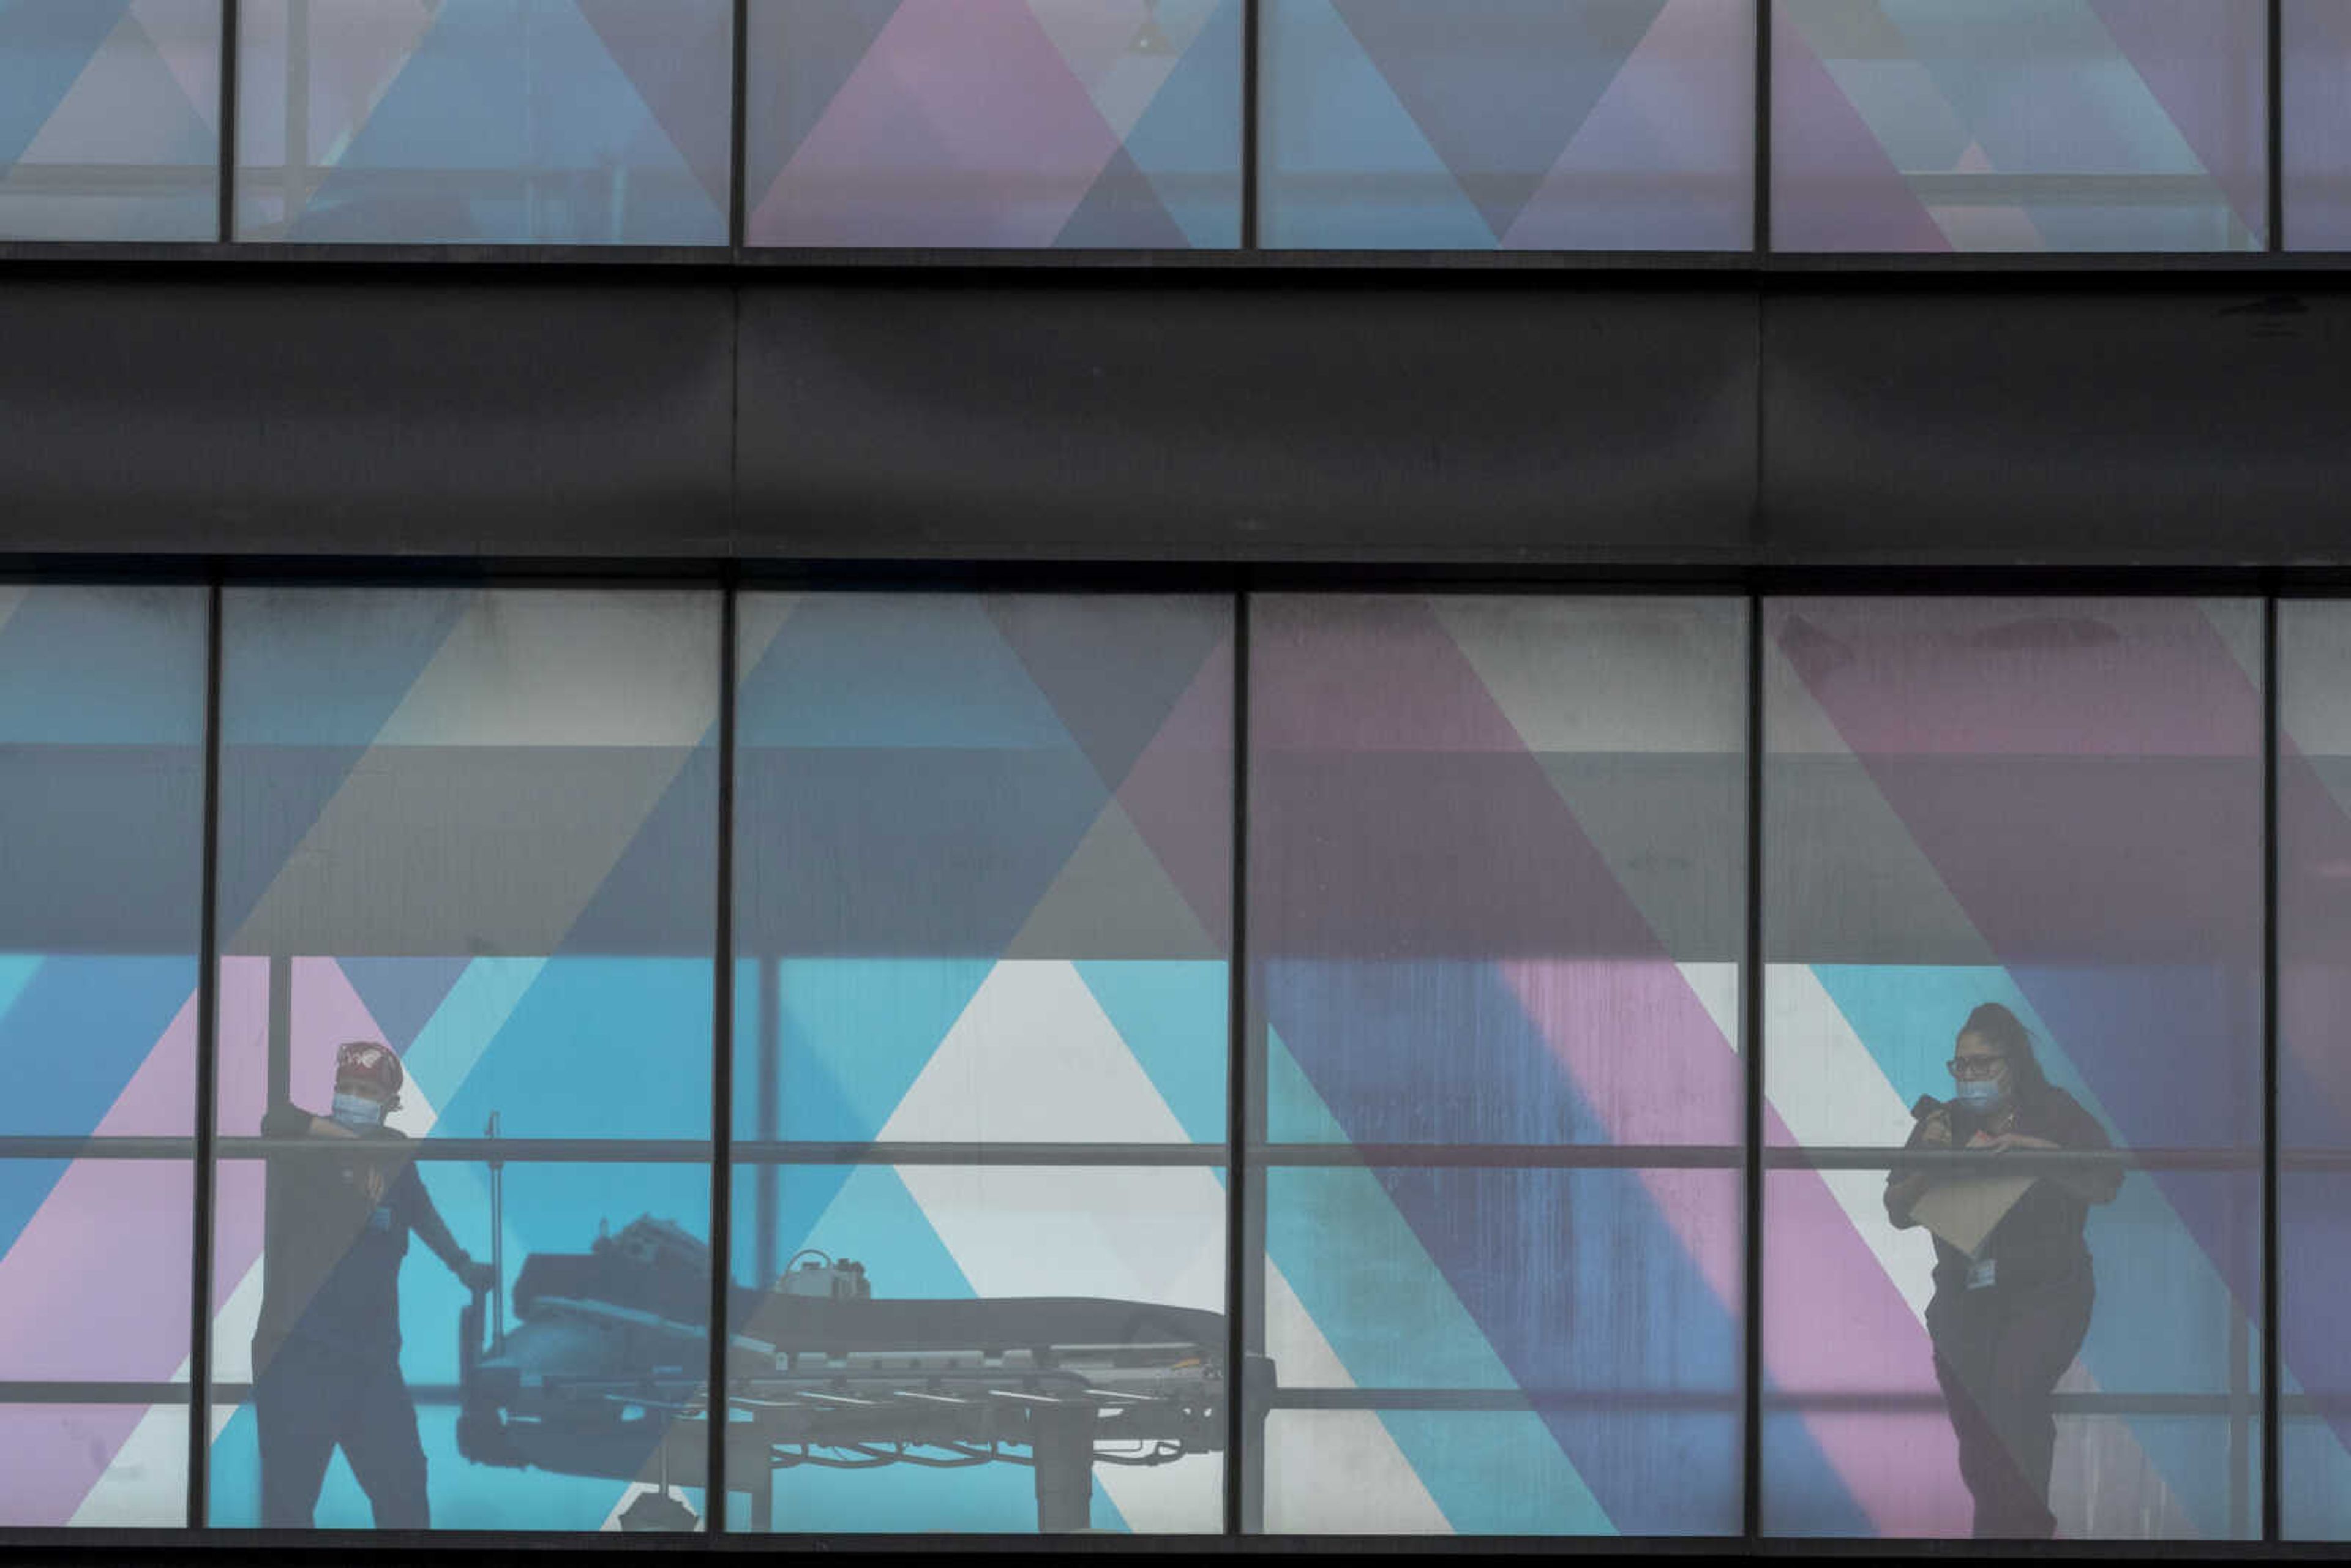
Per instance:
(1000,156)
(1833,188)
(2205,64)
(1680,109)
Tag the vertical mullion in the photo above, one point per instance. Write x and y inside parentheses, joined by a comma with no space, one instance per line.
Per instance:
(1239,1057)
(1761,195)
(1250,22)
(722,1083)
(2275,123)
(735,202)
(2272,1489)
(200,1293)
(1752,1027)
(224,185)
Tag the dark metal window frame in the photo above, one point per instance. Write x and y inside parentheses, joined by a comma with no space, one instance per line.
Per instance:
(1246,1148)
(1247,254)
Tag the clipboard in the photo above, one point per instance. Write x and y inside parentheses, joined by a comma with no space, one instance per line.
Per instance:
(1964,1212)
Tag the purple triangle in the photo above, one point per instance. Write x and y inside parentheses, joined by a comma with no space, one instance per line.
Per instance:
(662,46)
(402,994)
(801,56)
(2204,65)
(1121,211)
(1498,87)
(1833,185)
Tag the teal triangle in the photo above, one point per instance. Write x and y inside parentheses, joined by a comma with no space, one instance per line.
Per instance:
(44,49)
(857,1033)
(1172,1015)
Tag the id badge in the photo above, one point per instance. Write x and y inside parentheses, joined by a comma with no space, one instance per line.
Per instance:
(1983,1272)
(379,1218)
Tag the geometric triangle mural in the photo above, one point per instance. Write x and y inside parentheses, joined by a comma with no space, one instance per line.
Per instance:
(1023,123)
(2057,125)
(2315,144)
(455,121)
(109,120)
(1509,124)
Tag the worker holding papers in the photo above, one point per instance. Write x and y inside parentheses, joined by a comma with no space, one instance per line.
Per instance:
(2012,1281)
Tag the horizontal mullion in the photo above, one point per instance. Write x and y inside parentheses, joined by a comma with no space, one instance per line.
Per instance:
(1728,1157)
(1464,1400)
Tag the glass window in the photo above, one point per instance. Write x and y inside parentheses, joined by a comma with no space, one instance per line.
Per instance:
(1517,124)
(109,120)
(984,872)
(2019,125)
(101,790)
(546,122)
(1496,849)
(2314,1066)
(468,844)
(1067,124)
(2316,123)
(2029,830)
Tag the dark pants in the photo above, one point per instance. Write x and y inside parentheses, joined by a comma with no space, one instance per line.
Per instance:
(308,1400)
(1999,1354)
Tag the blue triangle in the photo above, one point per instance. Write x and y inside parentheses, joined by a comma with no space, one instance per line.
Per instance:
(894,670)
(1193,128)
(45,45)
(1335,118)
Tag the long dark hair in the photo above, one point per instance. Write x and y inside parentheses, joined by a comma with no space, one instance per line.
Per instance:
(1999,1026)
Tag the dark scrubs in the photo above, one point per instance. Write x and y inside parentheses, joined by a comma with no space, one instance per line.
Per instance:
(326,1353)
(2008,1322)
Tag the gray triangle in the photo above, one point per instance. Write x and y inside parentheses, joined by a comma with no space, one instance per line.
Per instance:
(1672,828)
(1844,883)
(1122,212)
(1112,899)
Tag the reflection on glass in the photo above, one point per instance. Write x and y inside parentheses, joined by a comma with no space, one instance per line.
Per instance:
(983,890)
(1077,124)
(2019,125)
(1485,124)
(102,802)
(2315,130)
(547,121)
(109,120)
(2028,830)
(466,866)
(1495,861)
(2314,1067)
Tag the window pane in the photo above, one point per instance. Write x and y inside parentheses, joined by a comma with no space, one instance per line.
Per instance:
(546,122)
(2018,125)
(478,829)
(1495,878)
(1079,123)
(1982,815)
(101,790)
(2317,117)
(109,120)
(984,872)
(2314,1066)
(1517,124)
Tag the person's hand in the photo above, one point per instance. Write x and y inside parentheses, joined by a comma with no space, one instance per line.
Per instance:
(477,1276)
(1935,1131)
(2004,1141)
(326,1127)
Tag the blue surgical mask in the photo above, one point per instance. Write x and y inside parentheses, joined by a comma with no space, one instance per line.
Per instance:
(1980,1093)
(357,1110)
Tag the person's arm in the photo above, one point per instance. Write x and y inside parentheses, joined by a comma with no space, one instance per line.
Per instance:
(2094,1181)
(434,1232)
(1903,1188)
(288,1120)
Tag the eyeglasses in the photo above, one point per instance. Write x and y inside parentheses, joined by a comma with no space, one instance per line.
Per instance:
(1975,1066)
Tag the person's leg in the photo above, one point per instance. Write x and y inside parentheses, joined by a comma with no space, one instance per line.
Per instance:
(2037,1342)
(1963,1345)
(379,1436)
(297,1407)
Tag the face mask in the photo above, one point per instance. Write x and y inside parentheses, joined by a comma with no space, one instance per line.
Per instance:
(357,1110)
(1980,1093)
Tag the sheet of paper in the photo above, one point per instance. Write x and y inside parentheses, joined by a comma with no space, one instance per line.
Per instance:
(1963,1212)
